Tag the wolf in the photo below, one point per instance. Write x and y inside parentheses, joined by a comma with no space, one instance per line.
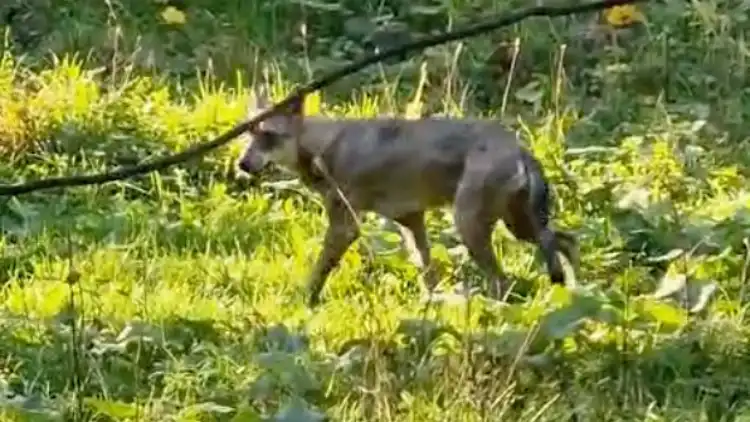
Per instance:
(400,168)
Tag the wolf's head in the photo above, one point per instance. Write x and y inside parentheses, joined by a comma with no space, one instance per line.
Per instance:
(273,140)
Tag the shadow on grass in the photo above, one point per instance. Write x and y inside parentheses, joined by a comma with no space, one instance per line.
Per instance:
(181,362)
(46,232)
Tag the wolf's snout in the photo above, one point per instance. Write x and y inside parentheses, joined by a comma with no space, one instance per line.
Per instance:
(251,164)
(244,166)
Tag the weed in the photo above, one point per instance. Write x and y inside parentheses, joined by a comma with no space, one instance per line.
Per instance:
(188,301)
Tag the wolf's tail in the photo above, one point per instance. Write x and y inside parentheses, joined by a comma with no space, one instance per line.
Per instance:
(538,210)
(538,189)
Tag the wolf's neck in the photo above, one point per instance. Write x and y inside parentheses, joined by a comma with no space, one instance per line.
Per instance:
(319,133)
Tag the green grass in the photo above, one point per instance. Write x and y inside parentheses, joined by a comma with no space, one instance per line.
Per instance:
(180,295)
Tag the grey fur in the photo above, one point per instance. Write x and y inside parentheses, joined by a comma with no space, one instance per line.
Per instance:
(400,168)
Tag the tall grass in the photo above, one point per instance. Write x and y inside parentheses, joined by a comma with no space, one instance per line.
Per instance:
(180,295)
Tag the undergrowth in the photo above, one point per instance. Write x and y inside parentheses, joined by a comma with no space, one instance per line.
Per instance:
(179,295)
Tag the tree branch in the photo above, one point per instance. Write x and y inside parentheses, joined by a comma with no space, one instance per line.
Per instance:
(162,163)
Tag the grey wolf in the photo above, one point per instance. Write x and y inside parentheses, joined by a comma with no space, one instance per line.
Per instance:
(400,168)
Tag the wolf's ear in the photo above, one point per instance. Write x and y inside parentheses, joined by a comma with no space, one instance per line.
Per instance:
(259,101)
(296,107)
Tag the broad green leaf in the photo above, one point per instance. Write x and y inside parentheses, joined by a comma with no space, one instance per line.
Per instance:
(291,184)
(246,414)
(351,358)
(610,314)
(559,295)
(173,15)
(13,414)
(669,316)
(637,199)
(426,10)
(588,302)
(560,323)
(19,218)
(594,149)
(424,329)
(358,27)
(616,298)
(669,256)
(28,408)
(263,388)
(298,411)
(444,298)
(564,321)
(112,408)
(458,252)
(531,93)
(539,361)
(320,5)
(700,295)
(278,337)
(670,285)
(510,343)
(137,330)
(384,241)
(211,408)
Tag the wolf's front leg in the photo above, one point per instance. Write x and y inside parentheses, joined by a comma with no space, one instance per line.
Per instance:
(417,245)
(342,231)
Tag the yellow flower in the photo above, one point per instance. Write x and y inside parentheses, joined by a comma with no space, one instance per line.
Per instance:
(173,15)
(624,15)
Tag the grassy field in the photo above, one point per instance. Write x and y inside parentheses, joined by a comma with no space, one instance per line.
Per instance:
(179,296)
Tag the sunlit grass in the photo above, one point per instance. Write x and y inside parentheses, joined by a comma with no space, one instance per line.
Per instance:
(186,278)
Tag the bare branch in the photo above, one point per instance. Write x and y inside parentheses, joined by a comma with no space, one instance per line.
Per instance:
(162,163)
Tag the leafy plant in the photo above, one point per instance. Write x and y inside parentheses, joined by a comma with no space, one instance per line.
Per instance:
(187,304)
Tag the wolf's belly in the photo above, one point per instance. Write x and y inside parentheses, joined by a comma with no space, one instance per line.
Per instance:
(397,199)
(394,184)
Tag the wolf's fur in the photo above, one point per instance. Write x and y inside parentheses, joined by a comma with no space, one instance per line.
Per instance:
(399,169)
